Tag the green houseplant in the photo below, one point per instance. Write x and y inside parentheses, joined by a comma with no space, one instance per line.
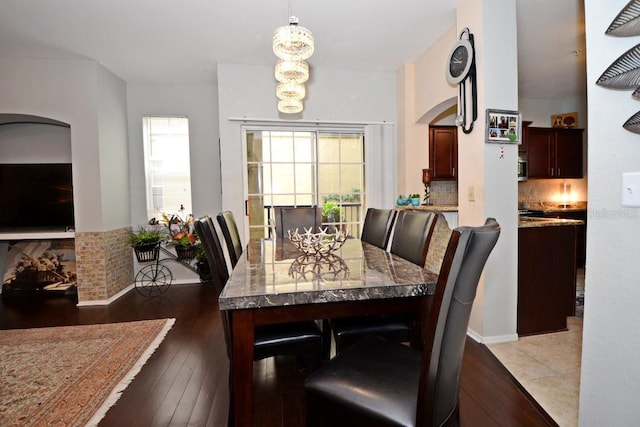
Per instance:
(145,243)
(331,211)
(144,236)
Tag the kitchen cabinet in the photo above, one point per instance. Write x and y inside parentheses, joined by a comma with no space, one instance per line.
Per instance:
(524,147)
(546,277)
(443,152)
(581,230)
(554,153)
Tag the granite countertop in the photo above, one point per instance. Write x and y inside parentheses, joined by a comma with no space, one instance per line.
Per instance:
(555,206)
(531,222)
(431,208)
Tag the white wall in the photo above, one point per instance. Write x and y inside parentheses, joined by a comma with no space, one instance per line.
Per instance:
(610,376)
(539,110)
(333,95)
(431,86)
(35,143)
(64,90)
(113,157)
(199,105)
(490,169)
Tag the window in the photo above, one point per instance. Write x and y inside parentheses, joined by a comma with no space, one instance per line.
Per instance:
(167,170)
(305,168)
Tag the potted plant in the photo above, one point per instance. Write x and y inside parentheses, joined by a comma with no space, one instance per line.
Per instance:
(145,243)
(180,234)
(331,211)
(202,265)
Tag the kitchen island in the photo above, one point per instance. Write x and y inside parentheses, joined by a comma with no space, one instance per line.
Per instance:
(546,274)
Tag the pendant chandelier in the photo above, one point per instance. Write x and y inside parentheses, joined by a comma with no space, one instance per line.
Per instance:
(292,44)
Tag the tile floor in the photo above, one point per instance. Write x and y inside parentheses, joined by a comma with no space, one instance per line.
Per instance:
(548,366)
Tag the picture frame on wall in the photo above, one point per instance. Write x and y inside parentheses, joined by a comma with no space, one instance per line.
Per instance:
(564,120)
(504,127)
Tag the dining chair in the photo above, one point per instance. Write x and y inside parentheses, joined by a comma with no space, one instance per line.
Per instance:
(301,218)
(231,236)
(302,339)
(412,234)
(213,252)
(287,338)
(411,238)
(381,382)
(377,226)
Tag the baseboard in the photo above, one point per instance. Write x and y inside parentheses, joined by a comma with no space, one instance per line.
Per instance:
(491,340)
(106,301)
(125,290)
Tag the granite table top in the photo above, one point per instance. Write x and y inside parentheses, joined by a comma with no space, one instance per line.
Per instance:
(274,273)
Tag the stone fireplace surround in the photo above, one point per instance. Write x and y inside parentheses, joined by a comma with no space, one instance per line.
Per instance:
(104,262)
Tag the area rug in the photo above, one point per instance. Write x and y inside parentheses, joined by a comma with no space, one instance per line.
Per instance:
(71,375)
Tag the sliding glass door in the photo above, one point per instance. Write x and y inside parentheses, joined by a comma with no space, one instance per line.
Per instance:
(305,168)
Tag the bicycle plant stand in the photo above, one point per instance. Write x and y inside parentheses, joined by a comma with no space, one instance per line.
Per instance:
(155,277)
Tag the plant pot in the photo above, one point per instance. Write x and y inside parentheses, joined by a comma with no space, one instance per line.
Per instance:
(185,252)
(415,202)
(148,252)
(202,267)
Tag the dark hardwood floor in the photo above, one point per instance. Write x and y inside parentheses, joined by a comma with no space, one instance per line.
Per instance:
(185,382)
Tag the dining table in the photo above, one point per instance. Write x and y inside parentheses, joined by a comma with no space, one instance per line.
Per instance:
(274,282)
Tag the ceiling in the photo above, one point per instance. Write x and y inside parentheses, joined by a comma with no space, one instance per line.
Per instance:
(180,42)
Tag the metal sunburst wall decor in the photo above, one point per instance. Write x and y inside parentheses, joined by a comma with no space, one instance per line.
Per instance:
(624,73)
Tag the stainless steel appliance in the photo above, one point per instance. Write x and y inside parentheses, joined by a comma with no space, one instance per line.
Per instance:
(522,169)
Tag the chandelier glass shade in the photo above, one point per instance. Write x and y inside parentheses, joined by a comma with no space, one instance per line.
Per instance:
(293,42)
(290,90)
(290,105)
(292,71)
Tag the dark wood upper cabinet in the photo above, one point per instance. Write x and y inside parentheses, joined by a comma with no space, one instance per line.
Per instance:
(443,152)
(523,147)
(554,153)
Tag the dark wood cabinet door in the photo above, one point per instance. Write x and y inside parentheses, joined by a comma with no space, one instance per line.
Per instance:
(554,153)
(539,152)
(569,153)
(443,152)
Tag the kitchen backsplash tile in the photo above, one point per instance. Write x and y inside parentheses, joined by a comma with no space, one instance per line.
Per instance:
(550,190)
(444,193)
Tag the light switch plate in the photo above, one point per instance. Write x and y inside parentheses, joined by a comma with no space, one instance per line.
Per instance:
(631,190)
(472,194)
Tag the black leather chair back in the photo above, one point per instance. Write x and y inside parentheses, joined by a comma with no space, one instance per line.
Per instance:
(467,253)
(231,236)
(377,226)
(412,234)
(213,251)
(301,218)
(215,257)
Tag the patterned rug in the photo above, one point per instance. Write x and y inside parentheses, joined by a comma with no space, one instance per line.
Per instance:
(71,375)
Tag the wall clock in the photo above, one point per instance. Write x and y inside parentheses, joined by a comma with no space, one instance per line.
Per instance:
(461,69)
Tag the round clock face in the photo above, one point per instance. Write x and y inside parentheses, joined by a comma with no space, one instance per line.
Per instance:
(459,63)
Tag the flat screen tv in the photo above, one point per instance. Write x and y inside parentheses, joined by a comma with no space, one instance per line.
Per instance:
(36,196)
